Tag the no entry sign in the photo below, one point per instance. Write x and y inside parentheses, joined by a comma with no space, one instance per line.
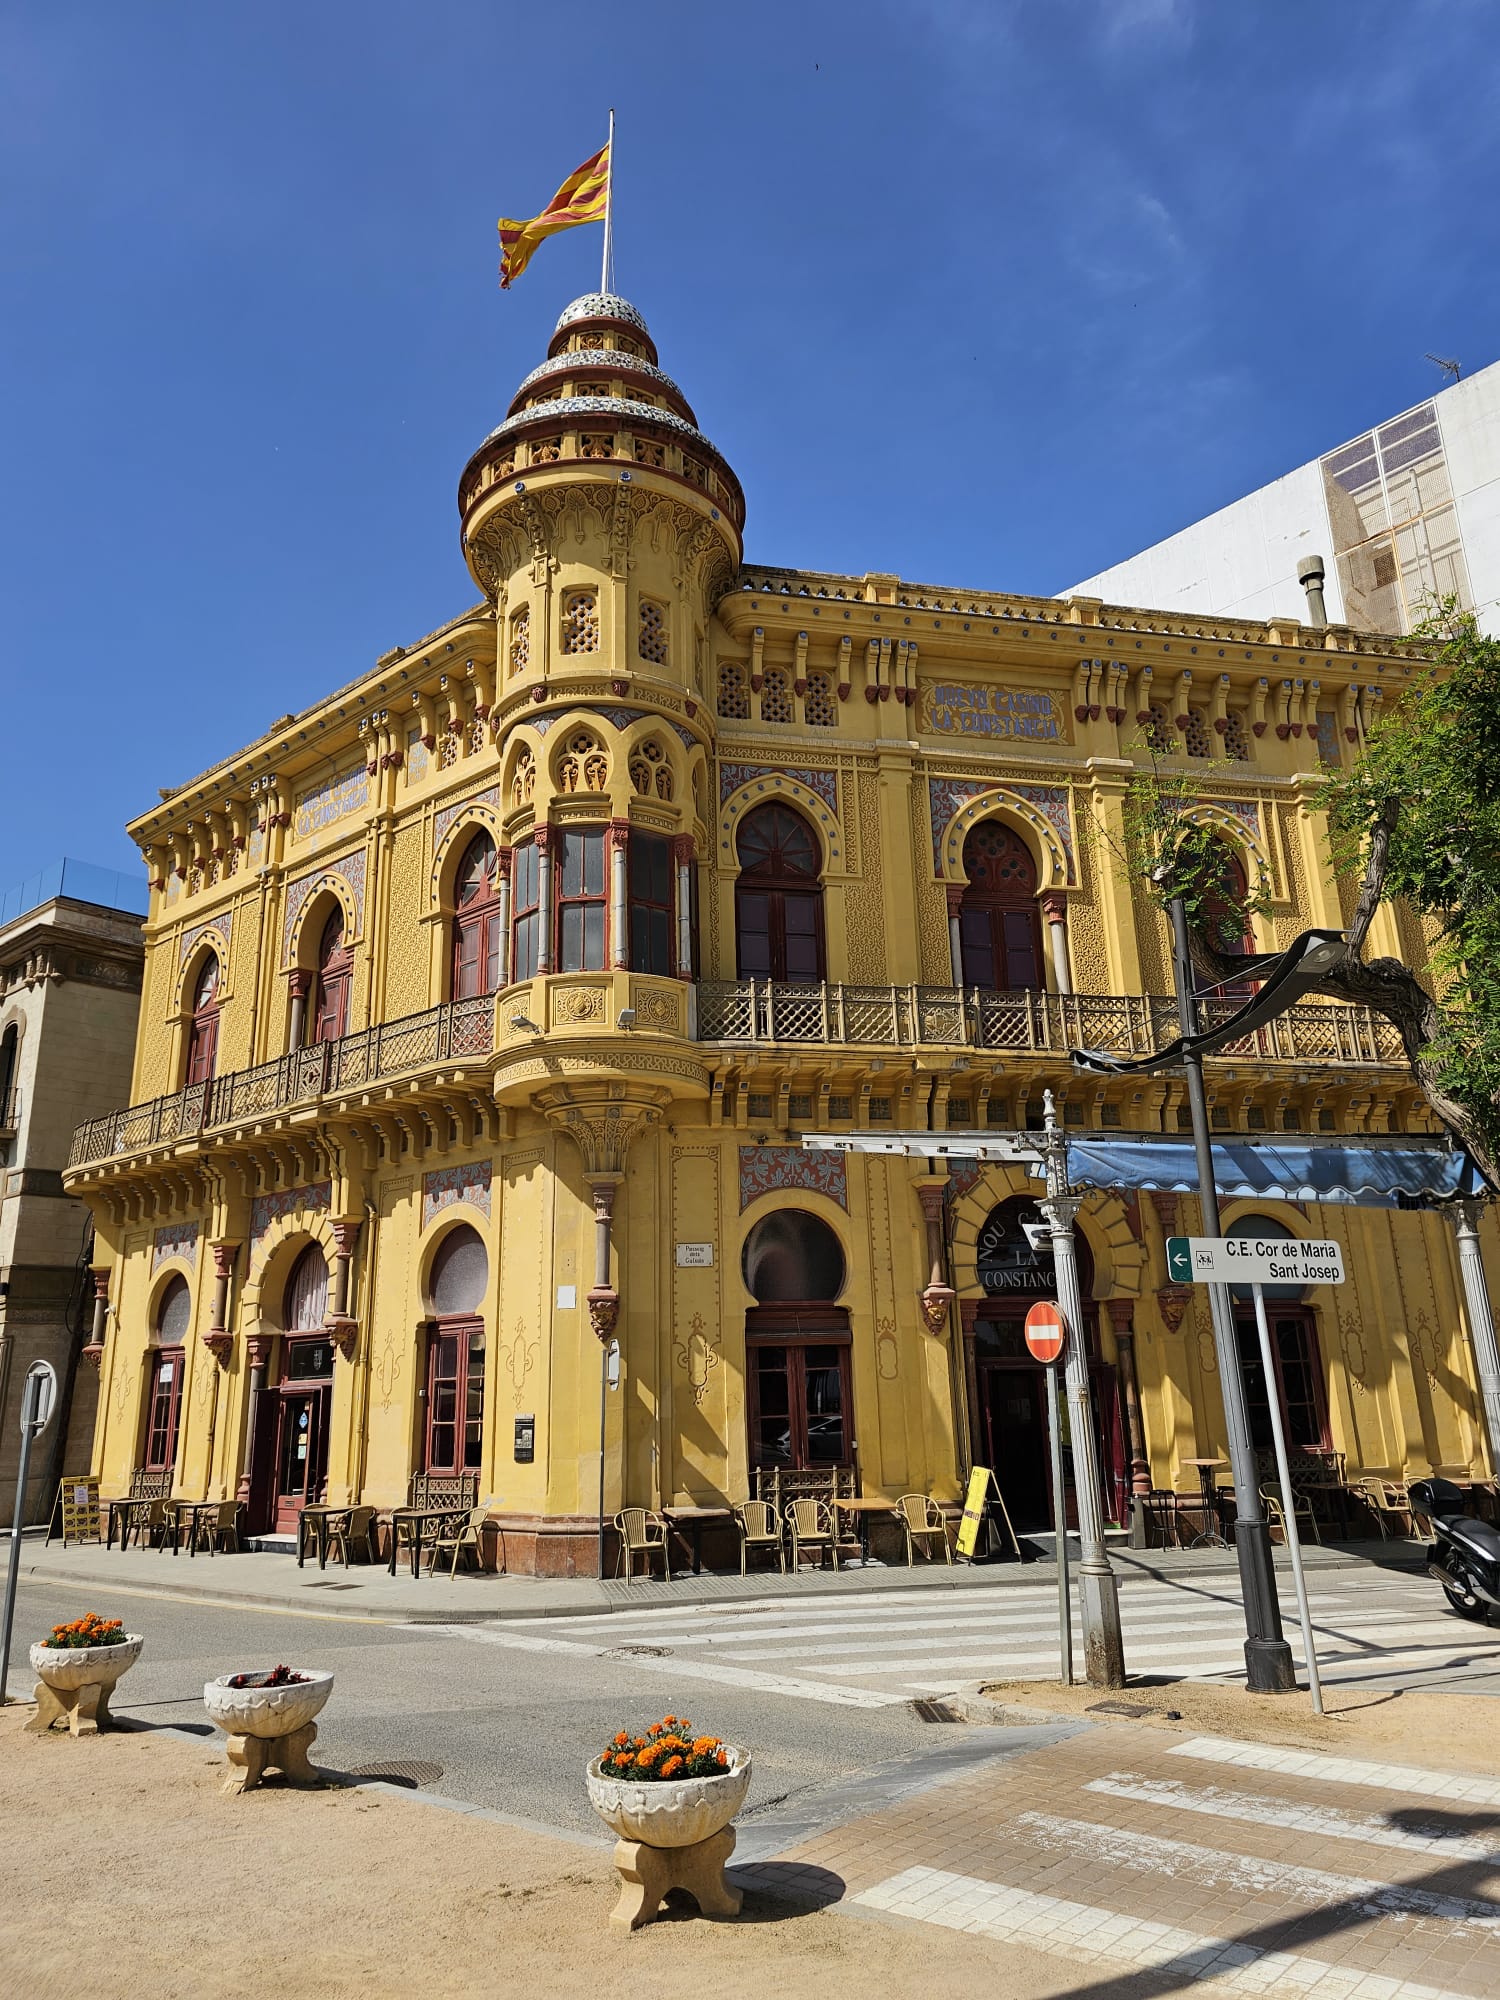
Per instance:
(1046,1331)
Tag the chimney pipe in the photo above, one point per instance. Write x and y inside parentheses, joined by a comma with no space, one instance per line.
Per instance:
(1310,575)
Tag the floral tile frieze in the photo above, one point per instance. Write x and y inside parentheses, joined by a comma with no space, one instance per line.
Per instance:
(449,1186)
(316,1198)
(769,1169)
(174,1239)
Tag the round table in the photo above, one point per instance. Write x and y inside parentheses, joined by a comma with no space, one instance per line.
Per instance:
(1209,1492)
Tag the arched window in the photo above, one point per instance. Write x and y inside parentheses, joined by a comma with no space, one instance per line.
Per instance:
(1226,929)
(10,1049)
(1295,1359)
(999,926)
(476,921)
(330,1015)
(203,1029)
(306,1303)
(797,1342)
(167,1362)
(455,1354)
(778,900)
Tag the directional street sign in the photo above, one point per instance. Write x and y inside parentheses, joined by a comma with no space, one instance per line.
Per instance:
(1046,1330)
(1253,1260)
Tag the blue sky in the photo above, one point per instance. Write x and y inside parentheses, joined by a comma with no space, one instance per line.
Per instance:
(985,292)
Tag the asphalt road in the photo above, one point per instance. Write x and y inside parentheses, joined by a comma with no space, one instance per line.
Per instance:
(495,1726)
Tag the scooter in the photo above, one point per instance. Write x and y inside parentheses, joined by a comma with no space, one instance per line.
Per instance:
(1466,1552)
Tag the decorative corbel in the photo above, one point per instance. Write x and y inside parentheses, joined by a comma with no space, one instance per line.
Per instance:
(846,654)
(936,1297)
(1218,705)
(218,1339)
(1183,715)
(1172,1302)
(342,1329)
(1258,695)
(1143,681)
(1284,710)
(603,1298)
(93,1351)
(758,658)
(799,669)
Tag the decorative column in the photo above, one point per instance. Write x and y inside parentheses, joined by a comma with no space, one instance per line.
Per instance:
(603,1298)
(257,1356)
(1466,1215)
(218,1340)
(93,1348)
(937,1295)
(682,862)
(343,1329)
(543,839)
(1122,1318)
(955,938)
(1055,910)
(299,984)
(504,865)
(617,843)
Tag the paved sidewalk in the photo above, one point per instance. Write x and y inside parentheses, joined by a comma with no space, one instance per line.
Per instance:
(369,1591)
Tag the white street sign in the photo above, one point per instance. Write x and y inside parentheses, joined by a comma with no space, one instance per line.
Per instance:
(38,1403)
(1253,1260)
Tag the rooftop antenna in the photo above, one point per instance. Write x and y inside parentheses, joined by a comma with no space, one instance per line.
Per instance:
(1448,367)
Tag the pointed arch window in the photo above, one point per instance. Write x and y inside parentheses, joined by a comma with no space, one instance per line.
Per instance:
(456,1353)
(477,939)
(334,977)
(999,925)
(203,1029)
(778,899)
(1221,924)
(166,1358)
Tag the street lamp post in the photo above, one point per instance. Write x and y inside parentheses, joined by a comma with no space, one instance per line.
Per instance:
(1268,1657)
(1103,1646)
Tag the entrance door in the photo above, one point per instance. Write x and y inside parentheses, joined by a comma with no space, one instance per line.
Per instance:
(1013,1424)
(301,1453)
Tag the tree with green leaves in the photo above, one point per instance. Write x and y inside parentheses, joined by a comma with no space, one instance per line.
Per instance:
(1414,818)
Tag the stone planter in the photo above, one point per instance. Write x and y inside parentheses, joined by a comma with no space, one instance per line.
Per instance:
(74,1683)
(269,1728)
(672,1836)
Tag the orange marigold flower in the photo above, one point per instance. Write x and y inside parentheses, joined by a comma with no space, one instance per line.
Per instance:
(705,1746)
(672,1766)
(721,1758)
(622,1738)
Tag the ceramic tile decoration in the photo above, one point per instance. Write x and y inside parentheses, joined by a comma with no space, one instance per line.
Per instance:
(768,1169)
(223,924)
(174,1239)
(314,1199)
(451,1185)
(330,802)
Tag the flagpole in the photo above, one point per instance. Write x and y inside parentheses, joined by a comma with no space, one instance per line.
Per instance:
(609,209)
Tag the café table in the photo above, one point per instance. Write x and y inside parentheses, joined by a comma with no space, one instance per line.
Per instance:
(862,1510)
(418,1520)
(126,1513)
(188,1511)
(315,1515)
(694,1520)
(1212,1536)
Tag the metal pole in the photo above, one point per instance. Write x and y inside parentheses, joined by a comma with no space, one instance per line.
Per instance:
(609,216)
(603,1412)
(1098,1588)
(1481,1320)
(31,1395)
(1288,1512)
(1060,1530)
(1268,1657)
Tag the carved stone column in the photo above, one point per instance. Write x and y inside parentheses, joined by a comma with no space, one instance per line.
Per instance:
(955,939)
(617,845)
(1055,910)
(218,1339)
(682,868)
(257,1356)
(342,1329)
(603,1297)
(299,985)
(544,839)
(504,868)
(93,1350)
(937,1295)
(1122,1317)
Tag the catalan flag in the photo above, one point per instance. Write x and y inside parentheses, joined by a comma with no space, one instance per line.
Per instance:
(583,197)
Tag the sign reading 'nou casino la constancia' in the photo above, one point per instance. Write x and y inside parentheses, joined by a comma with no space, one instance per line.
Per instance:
(961,708)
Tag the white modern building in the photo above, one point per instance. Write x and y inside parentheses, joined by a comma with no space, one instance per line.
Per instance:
(1408,512)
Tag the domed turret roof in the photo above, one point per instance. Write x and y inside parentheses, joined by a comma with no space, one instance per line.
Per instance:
(601,305)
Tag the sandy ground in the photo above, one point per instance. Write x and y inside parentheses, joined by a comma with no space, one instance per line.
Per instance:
(123,1868)
(1395,1726)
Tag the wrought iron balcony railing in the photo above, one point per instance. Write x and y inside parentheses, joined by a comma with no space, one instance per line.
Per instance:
(396,1048)
(760,1011)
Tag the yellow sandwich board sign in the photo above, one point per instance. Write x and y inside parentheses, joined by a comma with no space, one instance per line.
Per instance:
(983,1487)
(78,1503)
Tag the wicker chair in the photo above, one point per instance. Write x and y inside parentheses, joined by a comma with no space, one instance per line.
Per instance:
(154,1526)
(759,1529)
(1390,1503)
(218,1530)
(641,1533)
(1302,1510)
(463,1532)
(922,1518)
(812,1525)
(352,1529)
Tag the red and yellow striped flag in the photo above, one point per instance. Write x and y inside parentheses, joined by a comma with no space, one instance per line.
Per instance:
(583,197)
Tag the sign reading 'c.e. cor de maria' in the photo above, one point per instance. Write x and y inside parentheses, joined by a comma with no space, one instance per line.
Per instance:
(973,708)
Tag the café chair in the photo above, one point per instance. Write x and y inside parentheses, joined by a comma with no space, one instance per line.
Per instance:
(922,1518)
(812,1526)
(759,1529)
(643,1534)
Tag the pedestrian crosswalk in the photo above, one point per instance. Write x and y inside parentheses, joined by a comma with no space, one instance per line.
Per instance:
(874,1649)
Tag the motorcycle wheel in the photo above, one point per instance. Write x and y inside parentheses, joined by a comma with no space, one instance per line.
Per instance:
(1467,1605)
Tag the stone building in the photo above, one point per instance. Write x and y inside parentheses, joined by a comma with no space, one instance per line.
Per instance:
(70,981)
(488,998)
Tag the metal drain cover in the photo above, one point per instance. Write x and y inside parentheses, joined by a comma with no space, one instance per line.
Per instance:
(329,1584)
(637,1653)
(409,1771)
(935,1711)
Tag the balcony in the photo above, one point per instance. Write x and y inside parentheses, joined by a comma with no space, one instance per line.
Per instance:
(761,1012)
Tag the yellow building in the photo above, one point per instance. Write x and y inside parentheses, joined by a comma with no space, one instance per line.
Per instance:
(488,998)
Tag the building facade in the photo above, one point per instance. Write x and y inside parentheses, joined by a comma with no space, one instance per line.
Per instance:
(1405,514)
(487,1001)
(70,978)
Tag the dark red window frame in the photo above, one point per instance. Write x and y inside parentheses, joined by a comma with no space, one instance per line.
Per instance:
(778,898)
(331,987)
(163,1408)
(478,941)
(799,1347)
(999,925)
(652,904)
(526,893)
(455,1394)
(203,1029)
(1299,1375)
(580,876)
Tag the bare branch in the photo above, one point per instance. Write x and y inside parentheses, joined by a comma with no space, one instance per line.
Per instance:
(1372,885)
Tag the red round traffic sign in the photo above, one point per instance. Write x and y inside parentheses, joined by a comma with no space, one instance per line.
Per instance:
(1046,1331)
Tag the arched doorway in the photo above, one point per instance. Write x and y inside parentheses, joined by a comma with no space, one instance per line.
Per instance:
(800,1402)
(1295,1360)
(330,1008)
(456,1353)
(778,898)
(1008,1389)
(305,1392)
(999,925)
(166,1359)
(477,937)
(203,1029)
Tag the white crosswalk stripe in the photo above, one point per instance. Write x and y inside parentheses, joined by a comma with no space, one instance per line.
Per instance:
(871,1649)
